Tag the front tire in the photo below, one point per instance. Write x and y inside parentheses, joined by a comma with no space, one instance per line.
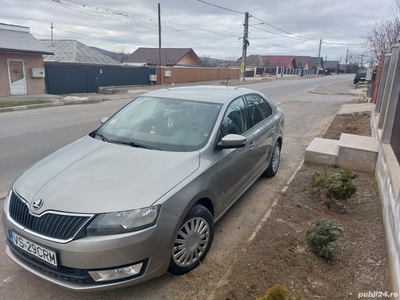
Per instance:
(275,161)
(192,241)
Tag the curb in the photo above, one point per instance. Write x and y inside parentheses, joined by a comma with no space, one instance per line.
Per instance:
(56,103)
(326,93)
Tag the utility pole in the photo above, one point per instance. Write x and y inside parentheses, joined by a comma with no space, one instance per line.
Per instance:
(52,33)
(319,54)
(345,66)
(159,44)
(245,44)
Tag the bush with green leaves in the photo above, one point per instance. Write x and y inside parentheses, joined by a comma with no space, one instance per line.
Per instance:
(339,186)
(279,292)
(321,235)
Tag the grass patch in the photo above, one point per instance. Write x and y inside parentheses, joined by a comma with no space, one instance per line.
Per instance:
(19,103)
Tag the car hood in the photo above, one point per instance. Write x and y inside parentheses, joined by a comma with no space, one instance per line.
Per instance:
(92,176)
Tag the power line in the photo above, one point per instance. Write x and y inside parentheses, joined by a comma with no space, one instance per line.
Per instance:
(285,36)
(228,9)
(90,9)
(270,25)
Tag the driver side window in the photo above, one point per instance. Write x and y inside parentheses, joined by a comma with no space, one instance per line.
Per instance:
(235,120)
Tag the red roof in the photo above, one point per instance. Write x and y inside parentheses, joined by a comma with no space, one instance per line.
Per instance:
(279,60)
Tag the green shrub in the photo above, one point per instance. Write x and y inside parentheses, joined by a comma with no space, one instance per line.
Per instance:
(279,292)
(320,237)
(339,186)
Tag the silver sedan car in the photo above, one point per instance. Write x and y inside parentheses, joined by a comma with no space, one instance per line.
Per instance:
(140,195)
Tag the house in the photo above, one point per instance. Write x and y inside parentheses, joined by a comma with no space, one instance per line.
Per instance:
(332,66)
(317,62)
(170,57)
(270,61)
(21,62)
(78,68)
(72,51)
(284,61)
(303,62)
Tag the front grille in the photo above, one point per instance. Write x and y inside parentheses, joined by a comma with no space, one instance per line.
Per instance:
(52,225)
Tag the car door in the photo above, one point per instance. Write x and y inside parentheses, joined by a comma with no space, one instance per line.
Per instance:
(262,133)
(234,166)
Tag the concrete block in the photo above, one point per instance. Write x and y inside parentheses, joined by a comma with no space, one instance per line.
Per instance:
(322,151)
(357,153)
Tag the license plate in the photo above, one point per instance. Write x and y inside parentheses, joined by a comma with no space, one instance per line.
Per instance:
(40,252)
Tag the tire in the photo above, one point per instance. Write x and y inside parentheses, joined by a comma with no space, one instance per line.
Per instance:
(192,241)
(275,161)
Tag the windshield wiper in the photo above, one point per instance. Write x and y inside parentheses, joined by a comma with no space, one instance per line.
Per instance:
(134,144)
(102,137)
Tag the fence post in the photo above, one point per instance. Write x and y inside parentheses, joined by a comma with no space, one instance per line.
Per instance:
(382,83)
(388,86)
(393,96)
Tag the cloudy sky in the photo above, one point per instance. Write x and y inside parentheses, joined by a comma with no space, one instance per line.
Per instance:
(213,28)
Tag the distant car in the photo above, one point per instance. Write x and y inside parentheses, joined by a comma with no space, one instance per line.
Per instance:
(360,76)
(140,195)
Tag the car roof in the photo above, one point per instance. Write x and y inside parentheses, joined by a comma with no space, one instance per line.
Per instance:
(205,93)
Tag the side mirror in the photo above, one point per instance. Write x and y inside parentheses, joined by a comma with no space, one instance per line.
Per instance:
(103,120)
(232,141)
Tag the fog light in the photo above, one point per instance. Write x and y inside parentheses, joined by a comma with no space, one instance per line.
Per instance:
(106,275)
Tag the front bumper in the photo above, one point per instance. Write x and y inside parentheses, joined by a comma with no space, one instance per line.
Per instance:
(151,247)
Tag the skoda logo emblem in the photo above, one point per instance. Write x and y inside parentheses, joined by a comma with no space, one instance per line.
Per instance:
(38,203)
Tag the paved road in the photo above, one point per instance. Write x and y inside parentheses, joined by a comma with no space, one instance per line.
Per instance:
(28,135)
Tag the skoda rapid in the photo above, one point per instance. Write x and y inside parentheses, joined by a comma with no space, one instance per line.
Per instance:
(140,195)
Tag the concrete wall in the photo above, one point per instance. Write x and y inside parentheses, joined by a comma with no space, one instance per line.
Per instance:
(34,85)
(387,173)
(387,170)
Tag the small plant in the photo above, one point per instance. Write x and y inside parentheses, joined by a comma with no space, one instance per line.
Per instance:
(339,186)
(279,292)
(304,207)
(320,237)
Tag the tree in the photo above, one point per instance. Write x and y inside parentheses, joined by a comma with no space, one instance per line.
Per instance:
(120,55)
(384,34)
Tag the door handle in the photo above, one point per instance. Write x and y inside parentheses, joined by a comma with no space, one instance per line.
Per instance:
(251,145)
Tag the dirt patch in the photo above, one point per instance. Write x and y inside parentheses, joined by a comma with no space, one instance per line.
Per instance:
(356,123)
(279,252)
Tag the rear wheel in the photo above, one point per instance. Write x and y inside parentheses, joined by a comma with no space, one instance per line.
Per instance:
(192,241)
(275,161)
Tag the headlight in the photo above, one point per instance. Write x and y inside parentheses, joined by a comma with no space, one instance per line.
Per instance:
(124,221)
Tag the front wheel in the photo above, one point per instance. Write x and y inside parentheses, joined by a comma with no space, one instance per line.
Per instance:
(274,163)
(192,241)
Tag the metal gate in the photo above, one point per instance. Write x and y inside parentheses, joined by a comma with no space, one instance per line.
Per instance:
(62,78)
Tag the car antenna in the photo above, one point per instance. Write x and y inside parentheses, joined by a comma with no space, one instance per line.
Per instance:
(228,80)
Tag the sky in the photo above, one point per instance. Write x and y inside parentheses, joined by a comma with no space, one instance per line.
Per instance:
(212,28)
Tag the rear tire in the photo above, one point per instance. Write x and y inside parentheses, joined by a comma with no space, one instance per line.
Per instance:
(192,241)
(275,161)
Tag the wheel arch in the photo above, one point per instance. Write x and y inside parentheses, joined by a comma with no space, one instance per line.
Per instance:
(207,203)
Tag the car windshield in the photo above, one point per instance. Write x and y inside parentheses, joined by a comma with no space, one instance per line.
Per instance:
(162,124)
